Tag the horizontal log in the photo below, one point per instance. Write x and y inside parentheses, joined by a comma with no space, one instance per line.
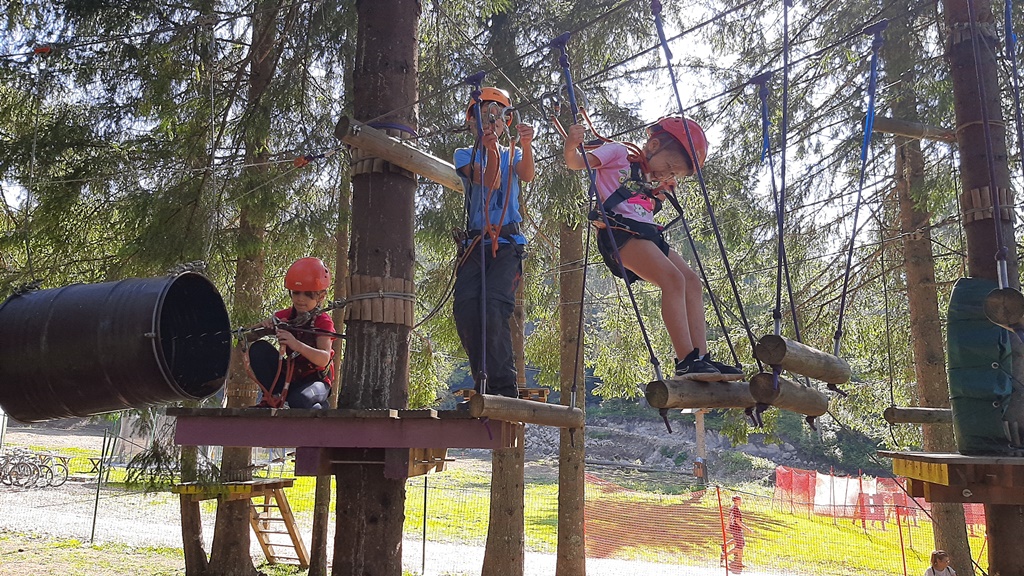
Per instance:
(1005,307)
(789,395)
(399,153)
(686,393)
(918,415)
(802,359)
(912,129)
(517,410)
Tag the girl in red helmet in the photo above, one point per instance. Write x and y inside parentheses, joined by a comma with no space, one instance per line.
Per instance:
(302,332)
(627,182)
(490,175)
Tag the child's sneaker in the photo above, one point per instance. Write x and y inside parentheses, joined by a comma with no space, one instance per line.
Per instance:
(693,364)
(723,368)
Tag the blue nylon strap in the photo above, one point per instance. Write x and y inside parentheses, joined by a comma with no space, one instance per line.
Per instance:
(876,45)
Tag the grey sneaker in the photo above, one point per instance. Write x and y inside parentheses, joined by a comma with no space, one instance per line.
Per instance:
(692,364)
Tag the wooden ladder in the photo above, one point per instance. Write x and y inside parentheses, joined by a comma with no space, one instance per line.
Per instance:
(271,519)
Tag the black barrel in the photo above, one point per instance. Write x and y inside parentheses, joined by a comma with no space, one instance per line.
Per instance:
(86,349)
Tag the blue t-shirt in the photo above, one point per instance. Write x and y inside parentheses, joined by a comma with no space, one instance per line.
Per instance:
(478,193)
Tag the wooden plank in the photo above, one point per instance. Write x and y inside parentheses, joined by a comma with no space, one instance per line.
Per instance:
(389,304)
(261,428)
(979,493)
(887,125)
(934,472)
(293,531)
(1005,307)
(952,458)
(517,410)
(917,415)
(376,143)
(802,359)
(244,413)
(686,393)
(789,395)
(244,487)
(428,413)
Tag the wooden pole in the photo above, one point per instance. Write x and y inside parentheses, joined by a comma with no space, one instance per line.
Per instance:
(529,411)
(789,395)
(885,125)
(802,359)
(915,415)
(399,153)
(1005,307)
(684,393)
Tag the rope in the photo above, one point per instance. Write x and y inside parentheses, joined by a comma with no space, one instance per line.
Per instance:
(703,274)
(656,10)
(475,81)
(869,120)
(780,201)
(560,45)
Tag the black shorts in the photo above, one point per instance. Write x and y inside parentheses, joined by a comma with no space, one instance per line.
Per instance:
(622,231)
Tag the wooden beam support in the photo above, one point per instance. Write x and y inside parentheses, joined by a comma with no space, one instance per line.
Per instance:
(397,152)
(685,393)
(789,396)
(351,428)
(802,359)
(529,411)
(912,129)
(917,415)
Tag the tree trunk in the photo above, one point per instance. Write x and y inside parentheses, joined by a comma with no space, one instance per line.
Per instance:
(370,507)
(1005,522)
(505,551)
(191,518)
(948,524)
(322,502)
(229,555)
(506,537)
(571,553)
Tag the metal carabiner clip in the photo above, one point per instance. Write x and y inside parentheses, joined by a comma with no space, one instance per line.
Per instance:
(513,120)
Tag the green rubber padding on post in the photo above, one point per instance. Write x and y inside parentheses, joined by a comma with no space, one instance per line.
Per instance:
(979,370)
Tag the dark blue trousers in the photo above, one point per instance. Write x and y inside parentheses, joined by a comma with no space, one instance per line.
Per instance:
(503,273)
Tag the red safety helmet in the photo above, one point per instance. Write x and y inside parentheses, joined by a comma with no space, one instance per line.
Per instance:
(675,126)
(309,274)
(489,94)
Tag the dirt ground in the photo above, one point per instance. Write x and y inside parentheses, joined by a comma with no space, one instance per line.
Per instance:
(25,554)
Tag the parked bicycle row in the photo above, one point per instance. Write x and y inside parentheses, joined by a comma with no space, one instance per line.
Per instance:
(27,469)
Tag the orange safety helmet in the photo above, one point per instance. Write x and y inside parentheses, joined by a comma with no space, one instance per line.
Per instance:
(308,274)
(675,126)
(489,94)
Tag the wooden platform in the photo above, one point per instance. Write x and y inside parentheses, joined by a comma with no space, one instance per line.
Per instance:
(272,519)
(196,491)
(959,478)
(292,428)
(406,442)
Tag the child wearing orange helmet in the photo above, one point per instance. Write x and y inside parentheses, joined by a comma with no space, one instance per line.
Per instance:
(304,335)
(628,187)
(493,243)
